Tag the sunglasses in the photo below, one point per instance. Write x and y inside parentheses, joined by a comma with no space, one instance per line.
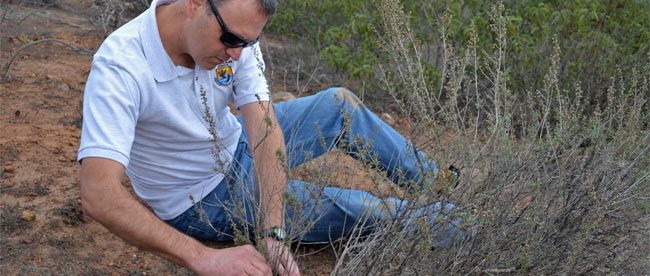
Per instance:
(229,38)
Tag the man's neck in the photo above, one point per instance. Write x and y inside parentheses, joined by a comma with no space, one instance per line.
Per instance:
(170,19)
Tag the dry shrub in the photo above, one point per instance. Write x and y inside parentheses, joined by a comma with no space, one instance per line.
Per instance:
(111,14)
(545,189)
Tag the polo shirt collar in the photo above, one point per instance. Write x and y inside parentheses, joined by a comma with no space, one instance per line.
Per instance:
(161,65)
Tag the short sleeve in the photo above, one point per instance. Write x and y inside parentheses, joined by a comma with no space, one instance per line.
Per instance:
(250,84)
(110,113)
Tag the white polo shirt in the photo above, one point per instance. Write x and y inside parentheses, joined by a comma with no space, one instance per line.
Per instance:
(148,114)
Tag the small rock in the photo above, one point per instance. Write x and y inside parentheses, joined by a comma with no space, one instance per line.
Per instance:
(63,86)
(388,119)
(282,96)
(27,241)
(28,215)
(9,169)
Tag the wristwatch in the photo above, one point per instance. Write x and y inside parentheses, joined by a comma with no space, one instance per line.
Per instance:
(277,233)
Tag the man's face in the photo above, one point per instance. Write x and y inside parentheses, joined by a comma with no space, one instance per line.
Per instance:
(243,18)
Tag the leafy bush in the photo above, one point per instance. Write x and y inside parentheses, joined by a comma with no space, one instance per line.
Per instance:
(341,30)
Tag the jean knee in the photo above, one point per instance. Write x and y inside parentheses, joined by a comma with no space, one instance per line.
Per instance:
(341,95)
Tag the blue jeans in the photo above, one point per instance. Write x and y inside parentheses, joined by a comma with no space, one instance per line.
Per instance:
(312,126)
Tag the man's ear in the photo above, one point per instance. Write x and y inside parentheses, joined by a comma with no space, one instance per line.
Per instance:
(196,7)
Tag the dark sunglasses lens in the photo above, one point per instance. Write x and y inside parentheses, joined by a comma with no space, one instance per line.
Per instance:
(232,41)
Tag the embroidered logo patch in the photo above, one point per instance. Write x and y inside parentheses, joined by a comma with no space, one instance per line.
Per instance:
(224,75)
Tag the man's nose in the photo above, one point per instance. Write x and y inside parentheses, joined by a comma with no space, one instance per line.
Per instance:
(234,53)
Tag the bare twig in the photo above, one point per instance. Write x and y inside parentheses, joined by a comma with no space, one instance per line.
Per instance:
(499,270)
(35,12)
(7,10)
(5,68)
(71,25)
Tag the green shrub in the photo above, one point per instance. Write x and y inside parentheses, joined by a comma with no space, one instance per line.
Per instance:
(595,37)
(341,30)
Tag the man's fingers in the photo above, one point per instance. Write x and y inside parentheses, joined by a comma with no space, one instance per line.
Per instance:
(281,258)
(259,262)
(253,271)
(259,268)
(287,265)
(281,270)
(291,266)
(278,260)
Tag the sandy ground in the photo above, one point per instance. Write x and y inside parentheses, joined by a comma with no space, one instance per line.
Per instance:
(40,119)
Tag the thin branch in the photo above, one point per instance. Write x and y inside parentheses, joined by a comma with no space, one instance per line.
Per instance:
(35,12)
(5,68)
(499,270)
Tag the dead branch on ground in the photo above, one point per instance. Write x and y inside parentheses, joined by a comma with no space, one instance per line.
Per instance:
(5,68)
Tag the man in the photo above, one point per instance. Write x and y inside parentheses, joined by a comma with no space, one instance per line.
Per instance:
(156,106)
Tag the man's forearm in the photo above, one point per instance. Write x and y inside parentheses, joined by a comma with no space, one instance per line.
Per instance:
(107,201)
(266,139)
(271,178)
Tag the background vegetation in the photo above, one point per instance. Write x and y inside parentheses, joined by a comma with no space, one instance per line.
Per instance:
(546,104)
(597,38)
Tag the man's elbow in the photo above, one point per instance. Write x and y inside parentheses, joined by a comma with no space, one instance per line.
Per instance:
(100,183)
(88,203)
(96,198)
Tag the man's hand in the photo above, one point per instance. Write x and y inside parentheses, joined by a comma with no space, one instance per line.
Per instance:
(240,260)
(281,255)
(246,260)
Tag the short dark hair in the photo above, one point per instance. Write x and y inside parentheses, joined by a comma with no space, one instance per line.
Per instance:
(269,7)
